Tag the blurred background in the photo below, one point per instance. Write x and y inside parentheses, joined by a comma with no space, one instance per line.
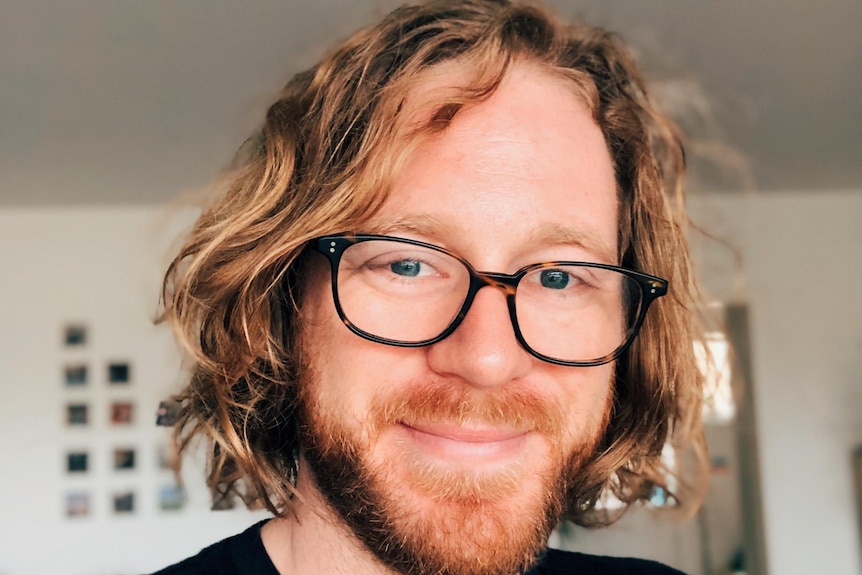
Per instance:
(112,110)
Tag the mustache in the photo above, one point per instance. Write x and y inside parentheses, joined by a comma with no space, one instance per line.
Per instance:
(439,402)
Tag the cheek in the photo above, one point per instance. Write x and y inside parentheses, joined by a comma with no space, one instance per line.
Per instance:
(343,369)
(587,399)
(321,335)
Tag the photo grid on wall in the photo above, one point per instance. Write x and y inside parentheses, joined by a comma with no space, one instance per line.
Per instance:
(101,399)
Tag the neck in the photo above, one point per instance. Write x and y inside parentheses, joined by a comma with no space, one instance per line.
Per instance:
(313,539)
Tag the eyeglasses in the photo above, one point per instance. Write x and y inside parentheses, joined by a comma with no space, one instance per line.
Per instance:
(408,293)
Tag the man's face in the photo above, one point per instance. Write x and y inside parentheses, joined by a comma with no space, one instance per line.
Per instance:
(454,458)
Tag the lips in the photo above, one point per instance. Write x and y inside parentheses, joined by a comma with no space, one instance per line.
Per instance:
(459,444)
(466,434)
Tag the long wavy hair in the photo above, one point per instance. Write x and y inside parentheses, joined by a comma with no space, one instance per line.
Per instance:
(323,162)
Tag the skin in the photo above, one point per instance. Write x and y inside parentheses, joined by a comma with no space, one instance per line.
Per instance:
(520,178)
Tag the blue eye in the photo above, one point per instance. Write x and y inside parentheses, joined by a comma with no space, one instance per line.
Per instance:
(554,279)
(407,268)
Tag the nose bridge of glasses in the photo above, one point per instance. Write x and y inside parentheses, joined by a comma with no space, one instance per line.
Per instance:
(479,280)
(507,283)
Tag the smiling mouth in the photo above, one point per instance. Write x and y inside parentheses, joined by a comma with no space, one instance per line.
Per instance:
(471,444)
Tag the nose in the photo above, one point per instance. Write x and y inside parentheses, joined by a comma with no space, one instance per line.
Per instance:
(483,350)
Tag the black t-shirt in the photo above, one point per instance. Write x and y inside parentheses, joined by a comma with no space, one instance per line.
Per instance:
(244,554)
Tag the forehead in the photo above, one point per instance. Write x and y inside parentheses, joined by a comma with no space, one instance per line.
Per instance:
(526,169)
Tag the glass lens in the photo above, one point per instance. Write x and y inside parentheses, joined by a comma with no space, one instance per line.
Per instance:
(399,291)
(576,313)
(410,294)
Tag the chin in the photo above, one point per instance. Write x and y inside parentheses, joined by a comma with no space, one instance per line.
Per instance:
(473,523)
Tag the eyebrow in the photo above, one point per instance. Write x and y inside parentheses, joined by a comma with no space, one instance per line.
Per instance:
(437,229)
(427,225)
(556,234)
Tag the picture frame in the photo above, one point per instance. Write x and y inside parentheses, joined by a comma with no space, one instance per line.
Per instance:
(122,413)
(124,459)
(75,375)
(167,413)
(77,504)
(171,498)
(123,503)
(119,373)
(77,462)
(77,414)
(75,335)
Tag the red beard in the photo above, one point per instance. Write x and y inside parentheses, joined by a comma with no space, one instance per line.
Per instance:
(420,519)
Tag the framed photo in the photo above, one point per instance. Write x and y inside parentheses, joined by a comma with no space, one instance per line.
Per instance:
(171,498)
(75,335)
(122,412)
(77,462)
(167,413)
(77,414)
(75,374)
(77,504)
(119,373)
(124,459)
(124,502)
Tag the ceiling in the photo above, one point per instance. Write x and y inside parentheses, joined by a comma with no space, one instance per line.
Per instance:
(136,101)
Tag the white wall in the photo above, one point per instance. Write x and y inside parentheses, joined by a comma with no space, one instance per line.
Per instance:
(796,260)
(100,267)
(802,260)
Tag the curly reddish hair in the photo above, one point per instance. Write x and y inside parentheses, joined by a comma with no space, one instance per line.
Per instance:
(323,163)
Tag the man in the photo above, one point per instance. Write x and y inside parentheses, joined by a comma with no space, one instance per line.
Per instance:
(427,316)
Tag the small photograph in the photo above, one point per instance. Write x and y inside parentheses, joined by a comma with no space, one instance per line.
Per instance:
(77,414)
(167,413)
(119,373)
(75,335)
(75,375)
(171,498)
(122,413)
(124,459)
(124,502)
(77,462)
(77,504)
